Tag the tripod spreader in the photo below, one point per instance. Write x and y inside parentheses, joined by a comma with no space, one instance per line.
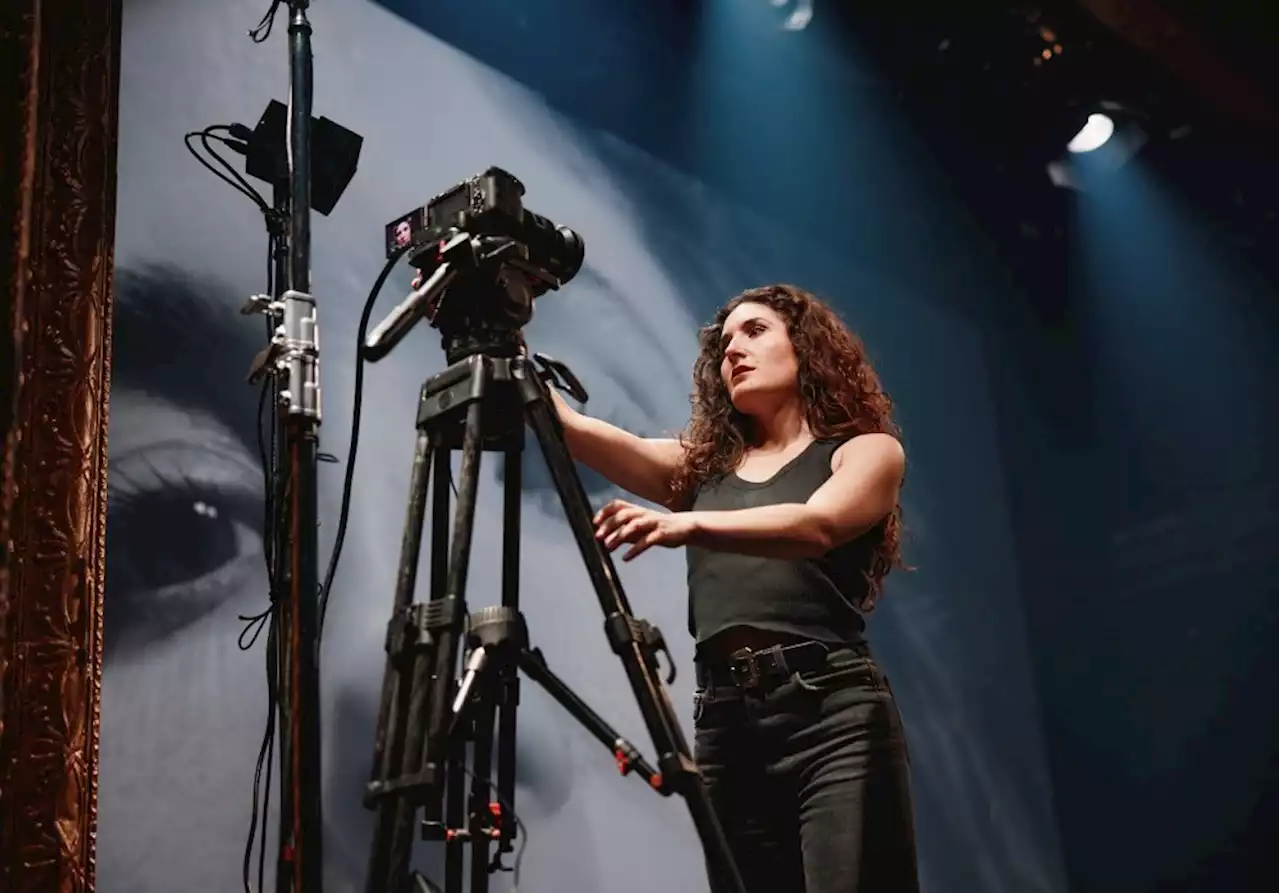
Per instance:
(499,634)
(625,755)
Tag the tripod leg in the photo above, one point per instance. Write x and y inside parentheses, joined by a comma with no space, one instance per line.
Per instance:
(455,811)
(638,660)
(481,778)
(455,814)
(393,756)
(509,677)
(440,702)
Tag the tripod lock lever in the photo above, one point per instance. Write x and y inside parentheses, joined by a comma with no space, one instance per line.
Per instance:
(475,666)
(558,375)
(623,629)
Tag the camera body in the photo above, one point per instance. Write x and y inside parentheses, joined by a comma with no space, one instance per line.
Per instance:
(489,207)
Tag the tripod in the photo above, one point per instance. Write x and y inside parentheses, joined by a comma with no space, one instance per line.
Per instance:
(482,402)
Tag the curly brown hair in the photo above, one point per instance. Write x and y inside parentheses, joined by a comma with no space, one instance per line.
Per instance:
(841,393)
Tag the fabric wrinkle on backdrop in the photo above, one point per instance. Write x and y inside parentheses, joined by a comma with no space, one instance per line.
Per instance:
(184,708)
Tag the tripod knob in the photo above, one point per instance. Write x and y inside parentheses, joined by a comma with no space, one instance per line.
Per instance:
(497,627)
(493,632)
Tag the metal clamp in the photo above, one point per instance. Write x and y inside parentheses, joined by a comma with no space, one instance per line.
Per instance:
(299,358)
(293,353)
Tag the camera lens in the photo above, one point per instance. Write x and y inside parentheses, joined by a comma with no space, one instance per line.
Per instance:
(556,249)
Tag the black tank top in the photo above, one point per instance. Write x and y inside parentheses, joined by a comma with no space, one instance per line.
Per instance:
(811,598)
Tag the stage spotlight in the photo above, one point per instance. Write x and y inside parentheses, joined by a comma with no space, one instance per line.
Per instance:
(798,16)
(1110,136)
(1096,131)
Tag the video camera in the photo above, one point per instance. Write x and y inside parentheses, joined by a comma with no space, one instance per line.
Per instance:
(491,254)
(490,204)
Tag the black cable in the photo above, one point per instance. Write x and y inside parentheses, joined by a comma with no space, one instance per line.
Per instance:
(262,30)
(265,754)
(253,627)
(273,504)
(426,886)
(520,826)
(272,529)
(357,399)
(235,181)
(272,520)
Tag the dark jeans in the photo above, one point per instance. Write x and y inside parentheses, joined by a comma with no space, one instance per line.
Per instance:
(810,780)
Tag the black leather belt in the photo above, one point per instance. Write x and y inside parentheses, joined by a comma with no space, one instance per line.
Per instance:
(750,670)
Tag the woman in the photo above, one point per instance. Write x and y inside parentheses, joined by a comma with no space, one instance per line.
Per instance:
(784,489)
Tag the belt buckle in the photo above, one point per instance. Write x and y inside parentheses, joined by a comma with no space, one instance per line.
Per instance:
(752,679)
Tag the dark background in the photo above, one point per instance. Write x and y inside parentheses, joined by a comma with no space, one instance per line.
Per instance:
(1131,325)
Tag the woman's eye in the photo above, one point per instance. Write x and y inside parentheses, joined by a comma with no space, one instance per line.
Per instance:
(183,536)
(168,537)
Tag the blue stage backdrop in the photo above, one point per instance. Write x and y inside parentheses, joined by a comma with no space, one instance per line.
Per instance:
(185,706)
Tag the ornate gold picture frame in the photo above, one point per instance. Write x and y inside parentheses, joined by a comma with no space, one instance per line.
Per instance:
(59,73)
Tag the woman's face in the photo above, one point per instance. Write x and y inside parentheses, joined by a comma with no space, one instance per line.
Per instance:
(760,368)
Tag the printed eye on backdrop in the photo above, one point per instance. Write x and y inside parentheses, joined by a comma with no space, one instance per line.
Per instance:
(184,526)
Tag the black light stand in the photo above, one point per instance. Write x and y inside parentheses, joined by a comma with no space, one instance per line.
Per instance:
(482,402)
(280,151)
(293,357)
(300,864)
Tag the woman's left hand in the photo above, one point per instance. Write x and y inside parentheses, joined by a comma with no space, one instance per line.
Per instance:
(623,522)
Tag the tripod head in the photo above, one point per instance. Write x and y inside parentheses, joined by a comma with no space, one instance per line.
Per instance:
(483,260)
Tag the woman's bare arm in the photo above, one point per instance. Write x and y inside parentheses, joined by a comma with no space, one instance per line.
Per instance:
(640,465)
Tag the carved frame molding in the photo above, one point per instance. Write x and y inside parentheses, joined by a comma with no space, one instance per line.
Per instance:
(59,79)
